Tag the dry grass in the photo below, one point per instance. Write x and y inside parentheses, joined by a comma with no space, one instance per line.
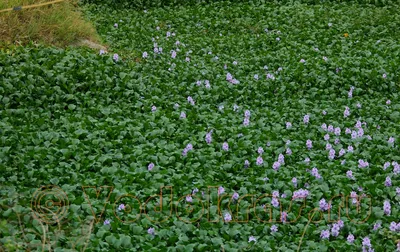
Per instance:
(59,24)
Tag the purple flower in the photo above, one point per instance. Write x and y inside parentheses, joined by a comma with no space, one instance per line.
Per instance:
(187,59)
(252,238)
(398,191)
(360,132)
(183,115)
(221,190)
(386,207)
(288,125)
(391,140)
(121,207)
(235,107)
(247,113)
(246,121)
(335,229)
(275,202)
(388,181)
(300,194)
(393,226)
(274,229)
(260,150)
(235,196)
(346,112)
(328,146)
(225,146)
(306,119)
(307,160)
(294,181)
(349,174)
(331,154)
(350,148)
(188,148)
(337,131)
(173,54)
(288,151)
(115,57)
(145,55)
(323,112)
(195,190)
(341,152)
(190,100)
(150,166)
(270,76)
(384,76)
(227,217)
(115,25)
(323,126)
(362,163)
(396,168)
(377,226)
(284,217)
(350,94)
(388,102)
(260,161)
(309,144)
(246,164)
(348,131)
(350,238)
(315,173)
(358,105)
(276,165)
(326,137)
(323,205)
(107,222)
(153,108)
(207,84)
(208,137)
(302,61)
(281,159)
(102,52)
(331,128)
(325,234)
(151,231)
(386,165)
(366,242)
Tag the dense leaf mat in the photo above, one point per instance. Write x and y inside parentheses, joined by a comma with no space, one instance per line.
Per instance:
(224,98)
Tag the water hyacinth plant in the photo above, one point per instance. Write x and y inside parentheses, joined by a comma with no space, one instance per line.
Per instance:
(201,130)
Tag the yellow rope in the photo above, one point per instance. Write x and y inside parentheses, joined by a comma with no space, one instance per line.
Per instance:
(30,6)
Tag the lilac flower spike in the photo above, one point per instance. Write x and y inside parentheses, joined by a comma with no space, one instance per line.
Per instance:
(252,238)
(151,231)
(350,238)
(227,217)
(115,57)
(209,137)
(325,234)
(306,119)
(225,146)
(309,144)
